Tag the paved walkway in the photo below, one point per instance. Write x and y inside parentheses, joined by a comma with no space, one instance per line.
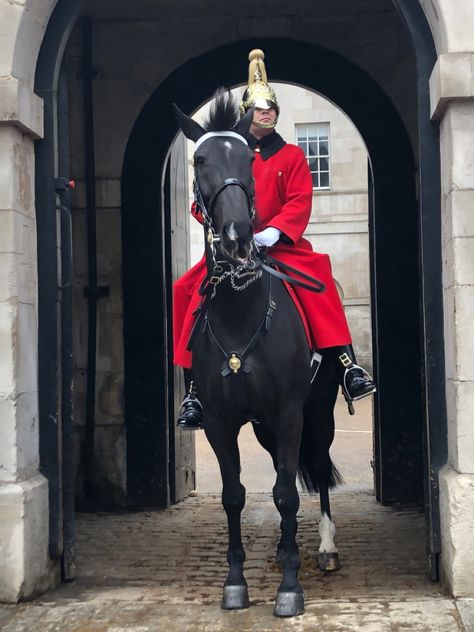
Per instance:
(164,571)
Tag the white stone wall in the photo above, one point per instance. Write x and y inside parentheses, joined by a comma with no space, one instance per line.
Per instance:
(24,564)
(452,94)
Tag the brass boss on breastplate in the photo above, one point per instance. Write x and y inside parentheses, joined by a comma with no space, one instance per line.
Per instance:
(234,363)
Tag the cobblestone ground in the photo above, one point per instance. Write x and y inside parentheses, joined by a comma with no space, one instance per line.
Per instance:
(164,571)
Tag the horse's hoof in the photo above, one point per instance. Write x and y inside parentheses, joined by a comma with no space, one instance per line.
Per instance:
(289,604)
(329,562)
(235,598)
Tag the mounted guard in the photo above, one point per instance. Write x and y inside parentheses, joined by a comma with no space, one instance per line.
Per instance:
(283,201)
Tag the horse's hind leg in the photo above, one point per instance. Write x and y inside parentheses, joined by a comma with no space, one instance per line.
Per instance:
(318,435)
(328,558)
(290,598)
(235,595)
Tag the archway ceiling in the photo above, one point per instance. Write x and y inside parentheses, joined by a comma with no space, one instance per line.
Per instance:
(163,9)
(369,33)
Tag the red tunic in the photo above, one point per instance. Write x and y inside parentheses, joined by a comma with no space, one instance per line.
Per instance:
(283,199)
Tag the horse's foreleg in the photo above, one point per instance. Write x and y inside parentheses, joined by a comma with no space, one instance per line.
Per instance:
(235,587)
(235,594)
(328,558)
(290,598)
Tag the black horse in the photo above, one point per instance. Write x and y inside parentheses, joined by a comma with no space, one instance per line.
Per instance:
(251,360)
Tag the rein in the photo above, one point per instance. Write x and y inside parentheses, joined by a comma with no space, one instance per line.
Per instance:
(313,284)
(208,290)
(271,265)
(235,362)
(263,262)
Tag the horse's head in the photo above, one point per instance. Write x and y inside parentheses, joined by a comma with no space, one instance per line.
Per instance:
(224,186)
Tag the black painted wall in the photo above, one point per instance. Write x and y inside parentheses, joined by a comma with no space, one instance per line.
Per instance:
(394,235)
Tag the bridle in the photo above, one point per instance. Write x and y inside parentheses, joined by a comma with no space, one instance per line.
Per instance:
(241,276)
(208,210)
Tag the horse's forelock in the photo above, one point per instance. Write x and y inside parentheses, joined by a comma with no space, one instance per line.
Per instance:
(224,113)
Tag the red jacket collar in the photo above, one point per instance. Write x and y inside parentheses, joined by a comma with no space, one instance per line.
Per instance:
(268,145)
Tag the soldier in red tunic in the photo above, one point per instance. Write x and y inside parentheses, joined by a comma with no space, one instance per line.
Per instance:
(283,200)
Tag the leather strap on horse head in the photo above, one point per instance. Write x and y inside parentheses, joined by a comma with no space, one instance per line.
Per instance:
(207,210)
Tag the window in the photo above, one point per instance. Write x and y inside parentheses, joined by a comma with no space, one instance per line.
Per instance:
(314,141)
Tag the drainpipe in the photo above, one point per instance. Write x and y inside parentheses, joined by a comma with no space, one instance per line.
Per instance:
(63,187)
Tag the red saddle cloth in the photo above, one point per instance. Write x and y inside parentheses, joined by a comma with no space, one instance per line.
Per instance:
(299,307)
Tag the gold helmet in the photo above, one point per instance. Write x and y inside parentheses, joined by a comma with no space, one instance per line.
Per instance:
(258,93)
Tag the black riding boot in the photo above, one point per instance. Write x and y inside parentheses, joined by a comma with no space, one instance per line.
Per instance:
(190,412)
(355,381)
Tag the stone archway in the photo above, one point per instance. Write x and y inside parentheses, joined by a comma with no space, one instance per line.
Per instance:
(399,441)
(29,569)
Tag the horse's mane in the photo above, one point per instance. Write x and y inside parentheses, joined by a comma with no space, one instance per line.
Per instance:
(224,113)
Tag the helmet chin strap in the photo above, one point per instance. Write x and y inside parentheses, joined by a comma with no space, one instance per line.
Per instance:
(266,125)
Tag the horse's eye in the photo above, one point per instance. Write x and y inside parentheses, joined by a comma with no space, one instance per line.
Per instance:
(199,160)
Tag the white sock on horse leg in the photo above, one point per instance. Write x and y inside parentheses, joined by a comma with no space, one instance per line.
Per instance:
(327,531)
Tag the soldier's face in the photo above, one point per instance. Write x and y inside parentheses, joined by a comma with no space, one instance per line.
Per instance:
(263,122)
(264,116)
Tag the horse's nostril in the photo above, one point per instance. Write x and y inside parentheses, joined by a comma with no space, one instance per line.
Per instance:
(243,247)
(236,238)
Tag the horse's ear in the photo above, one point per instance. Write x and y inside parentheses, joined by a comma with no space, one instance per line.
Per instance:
(243,126)
(190,128)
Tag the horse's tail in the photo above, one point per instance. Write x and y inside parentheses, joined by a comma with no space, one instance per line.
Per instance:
(310,483)
(315,466)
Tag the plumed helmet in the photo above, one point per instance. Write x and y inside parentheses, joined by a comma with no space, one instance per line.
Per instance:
(258,93)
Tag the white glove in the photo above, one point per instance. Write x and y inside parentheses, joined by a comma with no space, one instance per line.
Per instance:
(267,237)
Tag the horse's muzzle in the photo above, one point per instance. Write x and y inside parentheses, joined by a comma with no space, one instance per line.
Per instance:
(236,241)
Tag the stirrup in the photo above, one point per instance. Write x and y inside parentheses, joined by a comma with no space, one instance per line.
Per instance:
(349,399)
(190,413)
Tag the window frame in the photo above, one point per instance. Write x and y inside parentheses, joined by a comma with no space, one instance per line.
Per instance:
(306,126)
